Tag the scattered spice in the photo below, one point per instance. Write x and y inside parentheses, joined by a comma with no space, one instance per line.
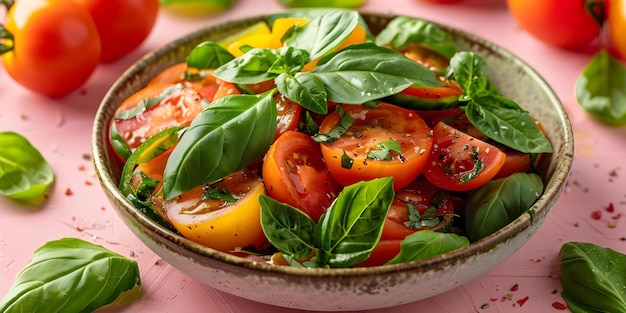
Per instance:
(86,156)
(68,192)
(610,208)
(559,305)
(596,215)
(521,301)
(515,287)
(88,183)
(81,167)
(484,306)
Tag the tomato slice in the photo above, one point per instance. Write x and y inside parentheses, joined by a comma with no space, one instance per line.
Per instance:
(201,81)
(429,98)
(433,210)
(154,109)
(373,128)
(460,162)
(382,253)
(288,114)
(294,173)
(224,215)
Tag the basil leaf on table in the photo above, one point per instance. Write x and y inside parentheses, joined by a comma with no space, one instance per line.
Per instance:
(225,137)
(593,278)
(427,243)
(499,202)
(403,31)
(24,173)
(71,275)
(353,224)
(364,72)
(324,33)
(208,55)
(601,89)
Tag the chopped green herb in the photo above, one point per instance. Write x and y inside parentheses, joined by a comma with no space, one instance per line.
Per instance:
(345,121)
(346,161)
(384,150)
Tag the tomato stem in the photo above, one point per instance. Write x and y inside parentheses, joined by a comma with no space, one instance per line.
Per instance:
(597,10)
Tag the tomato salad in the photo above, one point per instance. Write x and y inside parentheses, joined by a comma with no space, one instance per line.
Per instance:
(308,141)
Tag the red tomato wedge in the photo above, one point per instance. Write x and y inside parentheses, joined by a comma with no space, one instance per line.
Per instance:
(136,120)
(460,162)
(371,130)
(288,114)
(295,173)
(435,208)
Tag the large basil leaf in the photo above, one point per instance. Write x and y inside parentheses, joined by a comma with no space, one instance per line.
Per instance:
(208,55)
(365,72)
(224,138)
(600,89)
(504,121)
(70,275)
(259,64)
(288,229)
(402,31)
(499,202)
(324,33)
(593,278)
(353,224)
(427,243)
(305,89)
(24,173)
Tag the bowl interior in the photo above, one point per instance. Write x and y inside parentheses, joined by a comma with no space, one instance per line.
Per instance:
(510,75)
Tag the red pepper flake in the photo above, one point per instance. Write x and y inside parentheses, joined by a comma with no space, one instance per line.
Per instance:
(559,306)
(617,216)
(610,208)
(88,183)
(515,287)
(103,208)
(521,301)
(78,228)
(81,167)
(68,192)
(494,299)
(596,215)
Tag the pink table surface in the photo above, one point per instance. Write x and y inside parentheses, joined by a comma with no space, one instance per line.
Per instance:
(77,207)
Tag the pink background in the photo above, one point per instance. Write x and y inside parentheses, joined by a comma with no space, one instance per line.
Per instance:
(77,207)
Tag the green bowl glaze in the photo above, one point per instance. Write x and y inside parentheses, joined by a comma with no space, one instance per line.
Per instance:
(351,288)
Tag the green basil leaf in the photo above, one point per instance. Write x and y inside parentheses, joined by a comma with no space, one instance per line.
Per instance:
(119,144)
(147,103)
(345,122)
(324,33)
(208,55)
(290,60)
(384,150)
(224,138)
(593,278)
(402,31)
(504,121)
(70,275)
(499,202)
(600,89)
(288,229)
(470,72)
(24,173)
(427,243)
(305,89)
(312,13)
(353,224)
(250,68)
(322,3)
(365,72)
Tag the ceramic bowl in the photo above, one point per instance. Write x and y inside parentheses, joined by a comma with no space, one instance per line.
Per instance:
(352,288)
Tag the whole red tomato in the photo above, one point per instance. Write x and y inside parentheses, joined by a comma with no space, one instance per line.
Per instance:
(122,24)
(52,46)
(562,23)
(616,19)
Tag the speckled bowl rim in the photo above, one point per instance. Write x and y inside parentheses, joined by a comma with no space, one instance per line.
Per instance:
(551,193)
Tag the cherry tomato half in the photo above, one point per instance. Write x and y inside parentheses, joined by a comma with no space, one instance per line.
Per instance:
(224,215)
(562,23)
(294,173)
(173,105)
(203,81)
(460,162)
(434,206)
(122,24)
(55,46)
(373,129)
